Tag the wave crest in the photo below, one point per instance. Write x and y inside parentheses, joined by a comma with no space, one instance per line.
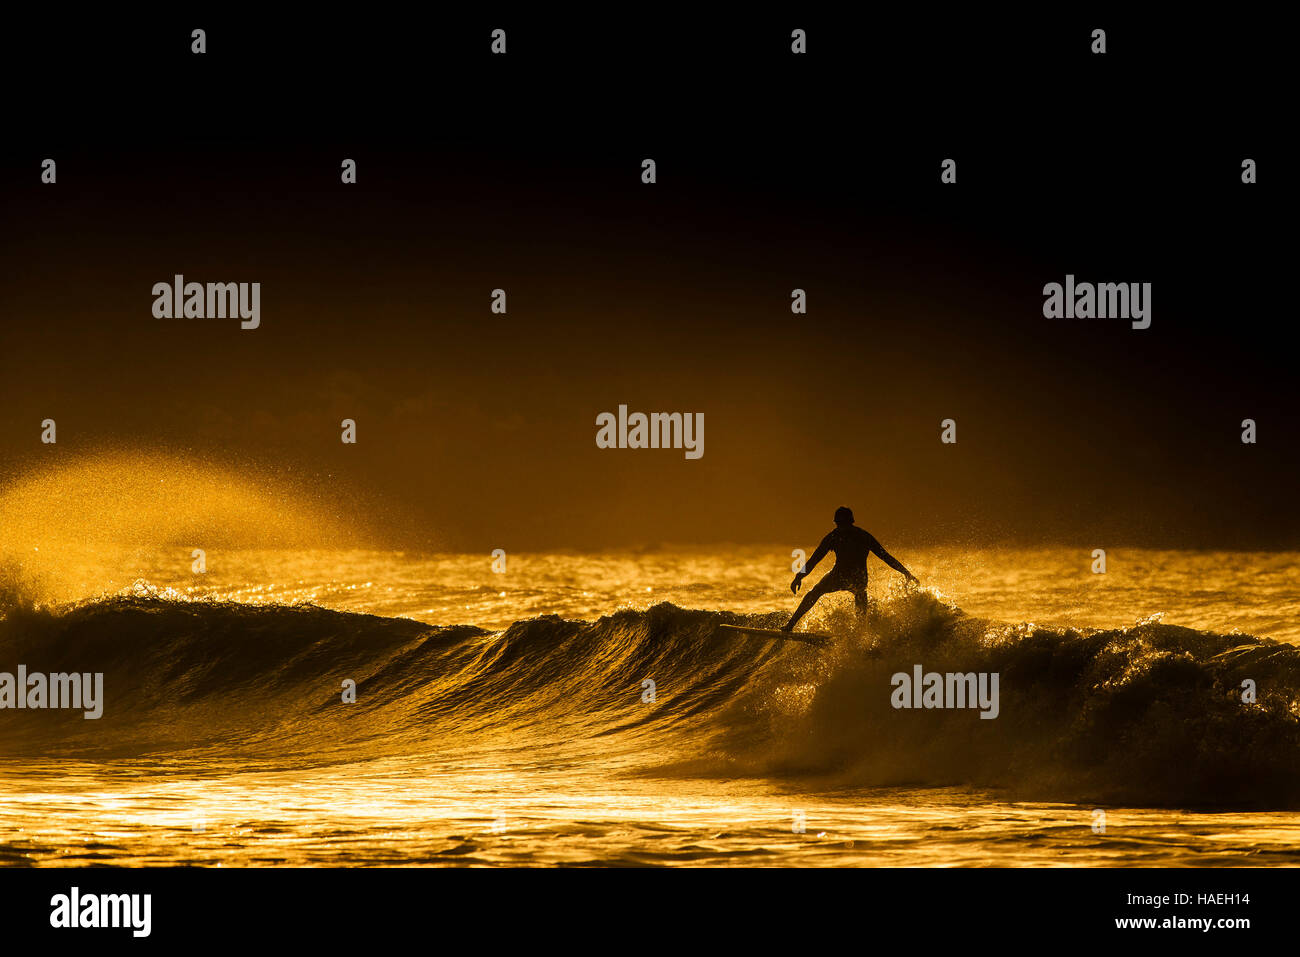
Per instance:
(1151,714)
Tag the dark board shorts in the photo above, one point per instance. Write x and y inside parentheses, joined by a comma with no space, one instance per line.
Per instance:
(837,580)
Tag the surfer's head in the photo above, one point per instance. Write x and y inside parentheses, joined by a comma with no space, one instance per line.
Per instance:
(844,515)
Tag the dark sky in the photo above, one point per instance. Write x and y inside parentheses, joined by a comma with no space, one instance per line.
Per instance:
(775,172)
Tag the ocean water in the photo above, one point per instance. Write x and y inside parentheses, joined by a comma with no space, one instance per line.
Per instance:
(584,709)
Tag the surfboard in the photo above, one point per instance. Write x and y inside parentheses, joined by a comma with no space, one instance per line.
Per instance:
(809,637)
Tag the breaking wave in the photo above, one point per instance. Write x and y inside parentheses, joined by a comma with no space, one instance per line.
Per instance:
(1152,714)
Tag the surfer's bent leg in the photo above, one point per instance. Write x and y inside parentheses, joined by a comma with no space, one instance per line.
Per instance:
(810,599)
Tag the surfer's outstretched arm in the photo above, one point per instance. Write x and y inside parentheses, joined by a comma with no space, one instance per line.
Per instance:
(809,565)
(891,561)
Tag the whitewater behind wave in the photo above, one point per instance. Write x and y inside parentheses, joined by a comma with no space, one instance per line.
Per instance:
(1151,714)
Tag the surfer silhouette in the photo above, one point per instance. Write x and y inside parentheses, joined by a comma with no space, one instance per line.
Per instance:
(851,546)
